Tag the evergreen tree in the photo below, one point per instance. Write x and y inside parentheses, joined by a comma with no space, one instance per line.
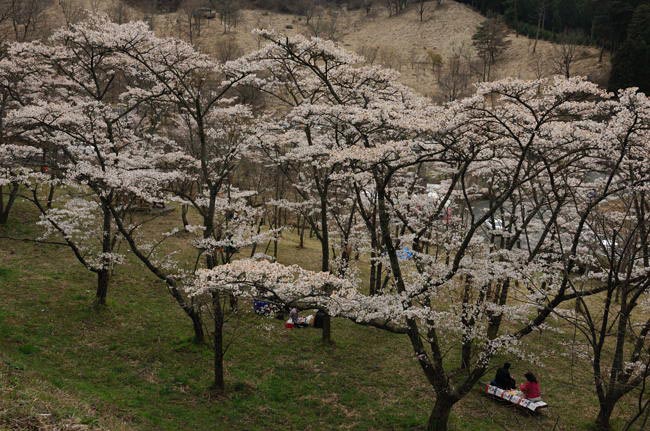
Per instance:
(490,41)
(631,63)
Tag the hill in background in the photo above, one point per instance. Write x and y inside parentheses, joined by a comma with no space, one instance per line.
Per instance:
(405,43)
(432,54)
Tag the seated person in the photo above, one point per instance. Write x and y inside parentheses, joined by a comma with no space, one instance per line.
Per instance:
(503,379)
(293,315)
(531,388)
(300,322)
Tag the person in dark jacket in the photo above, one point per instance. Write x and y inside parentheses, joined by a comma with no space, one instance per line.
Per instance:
(503,379)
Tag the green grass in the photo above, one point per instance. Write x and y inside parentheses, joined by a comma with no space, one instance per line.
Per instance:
(132,366)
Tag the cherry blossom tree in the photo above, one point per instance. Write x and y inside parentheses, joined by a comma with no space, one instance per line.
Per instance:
(613,254)
(504,161)
(144,120)
(479,218)
(9,186)
(19,82)
(111,92)
(195,104)
(85,115)
(317,82)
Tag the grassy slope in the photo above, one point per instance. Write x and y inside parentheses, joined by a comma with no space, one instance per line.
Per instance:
(132,366)
(444,28)
(402,37)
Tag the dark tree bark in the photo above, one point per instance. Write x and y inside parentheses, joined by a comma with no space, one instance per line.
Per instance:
(219,381)
(103,280)
(439,418)
(303,225)
(184,210)
(5,207)
(103,275)
(604,416)
(326,334)
(188,308)
(50,196)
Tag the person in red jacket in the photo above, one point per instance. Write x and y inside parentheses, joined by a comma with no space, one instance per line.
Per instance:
(531,388)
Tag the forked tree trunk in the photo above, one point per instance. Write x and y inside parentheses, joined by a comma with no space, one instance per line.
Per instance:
(604,416)
(439,418)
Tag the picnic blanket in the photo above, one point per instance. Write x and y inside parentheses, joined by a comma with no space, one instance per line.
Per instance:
(301,323)
(515,397)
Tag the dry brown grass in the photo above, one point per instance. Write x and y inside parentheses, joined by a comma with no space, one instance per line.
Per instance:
(402,42)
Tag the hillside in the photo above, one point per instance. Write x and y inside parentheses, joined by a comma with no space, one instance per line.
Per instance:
(132,367)
(401,42)
(451,238)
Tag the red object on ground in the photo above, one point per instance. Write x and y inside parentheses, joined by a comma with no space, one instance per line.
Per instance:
(288,325)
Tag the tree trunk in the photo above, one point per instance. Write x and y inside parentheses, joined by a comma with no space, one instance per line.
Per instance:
(187,305)
(516,19)
(373,269)
(5,208)
(327,331)
(184,210)
(103,278)
(604,415)
(197,326)
(326,335)
(219,383)
(103,275)
(50,196)
(439,419)
(540,23)
(601,53)
(218,312)
(303,225)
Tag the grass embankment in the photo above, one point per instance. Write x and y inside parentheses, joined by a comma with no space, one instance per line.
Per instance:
(132,365)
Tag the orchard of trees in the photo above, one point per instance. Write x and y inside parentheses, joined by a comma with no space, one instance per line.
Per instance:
(521,205)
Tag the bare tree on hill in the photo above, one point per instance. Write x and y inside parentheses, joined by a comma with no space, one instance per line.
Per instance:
(541,19)
(456,74)
(229,13)
(396,7)
(72,11)
(191,18)
(325,24)
(565,53)
(27,18)
(119,13)
(228,49)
